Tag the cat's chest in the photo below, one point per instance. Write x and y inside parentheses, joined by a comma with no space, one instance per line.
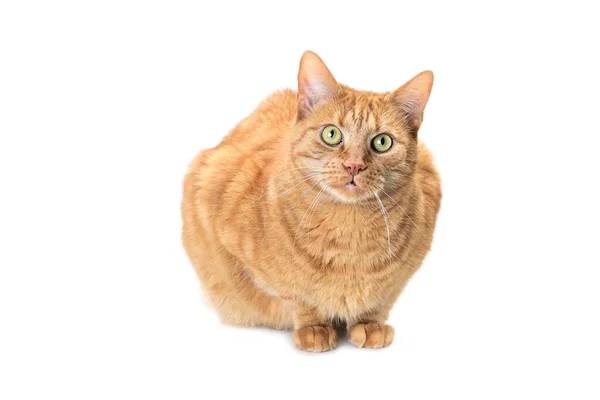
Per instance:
(348,263)
(347,240)
(346,295)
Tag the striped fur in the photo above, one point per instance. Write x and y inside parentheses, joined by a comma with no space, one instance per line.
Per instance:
(276,236)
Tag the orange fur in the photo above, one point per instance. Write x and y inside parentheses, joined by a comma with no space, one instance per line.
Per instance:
(278,234)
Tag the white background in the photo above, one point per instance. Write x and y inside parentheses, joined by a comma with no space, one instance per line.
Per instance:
(103,104)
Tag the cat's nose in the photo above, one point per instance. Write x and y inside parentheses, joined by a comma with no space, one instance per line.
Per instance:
(354,167)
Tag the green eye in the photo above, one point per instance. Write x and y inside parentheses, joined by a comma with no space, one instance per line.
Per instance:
(331,135)
(382,143)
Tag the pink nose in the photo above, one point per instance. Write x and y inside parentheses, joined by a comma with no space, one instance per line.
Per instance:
(354,167)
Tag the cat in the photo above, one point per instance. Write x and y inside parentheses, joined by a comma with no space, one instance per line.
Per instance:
(315,210)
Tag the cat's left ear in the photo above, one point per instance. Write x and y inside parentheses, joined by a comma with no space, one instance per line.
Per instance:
(316,84)
(412,98)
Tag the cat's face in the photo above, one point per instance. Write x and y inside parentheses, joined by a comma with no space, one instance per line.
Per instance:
(357,145)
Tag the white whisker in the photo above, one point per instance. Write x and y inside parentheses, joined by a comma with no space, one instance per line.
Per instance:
(385,219)
(304,179)
(316,205)
(310,188)
(313,203)
(403,210)
(299,177)
(291,170)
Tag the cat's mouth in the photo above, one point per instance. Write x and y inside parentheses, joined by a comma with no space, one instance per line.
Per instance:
(350,190)
(352,185)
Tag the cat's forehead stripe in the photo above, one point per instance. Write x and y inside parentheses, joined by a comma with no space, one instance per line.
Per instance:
(361,114)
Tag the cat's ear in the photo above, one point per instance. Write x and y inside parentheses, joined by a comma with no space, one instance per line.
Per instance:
(316,85)
(412,98)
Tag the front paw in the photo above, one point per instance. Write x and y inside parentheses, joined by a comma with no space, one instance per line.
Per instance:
(315,338)
(371,335)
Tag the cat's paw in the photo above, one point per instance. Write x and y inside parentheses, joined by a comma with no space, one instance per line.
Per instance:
(371,335)
(315,338)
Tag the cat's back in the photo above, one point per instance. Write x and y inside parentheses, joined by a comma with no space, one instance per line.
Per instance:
(428,181)
(227,178)
(254,140)
(263,129)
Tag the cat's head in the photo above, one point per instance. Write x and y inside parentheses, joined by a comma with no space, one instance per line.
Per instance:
(358,144)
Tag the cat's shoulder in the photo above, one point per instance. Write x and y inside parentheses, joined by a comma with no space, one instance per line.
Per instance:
(428,177)
(425,161)
(285,98)
(278,107)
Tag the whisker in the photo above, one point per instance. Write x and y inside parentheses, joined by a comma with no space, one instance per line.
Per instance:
(304,179)
(316,205)
(296,178)
(385,219)
(310,188)
(302,221)
(296,169)
(303,195)
(282,173)
(301,179)
(313,203)
(401,209)
(412,206)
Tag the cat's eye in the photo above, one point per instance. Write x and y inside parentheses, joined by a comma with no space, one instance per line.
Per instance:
(331,135)
(382,143)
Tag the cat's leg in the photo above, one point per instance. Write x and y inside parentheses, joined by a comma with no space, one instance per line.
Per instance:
(371,331)
(312,332)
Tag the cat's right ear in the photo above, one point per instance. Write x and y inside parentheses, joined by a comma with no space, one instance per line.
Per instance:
(412,98)
(316,85)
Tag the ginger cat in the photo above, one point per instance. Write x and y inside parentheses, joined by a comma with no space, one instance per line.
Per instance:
(315,210)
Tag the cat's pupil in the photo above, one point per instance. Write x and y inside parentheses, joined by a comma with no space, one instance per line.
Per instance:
(331,133)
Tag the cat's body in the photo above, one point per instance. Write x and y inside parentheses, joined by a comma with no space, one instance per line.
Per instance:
(275,246)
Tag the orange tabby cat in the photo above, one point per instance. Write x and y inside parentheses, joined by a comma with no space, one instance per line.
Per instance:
(316,209)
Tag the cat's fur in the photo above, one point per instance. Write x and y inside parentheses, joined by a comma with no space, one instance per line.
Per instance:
(278,235)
